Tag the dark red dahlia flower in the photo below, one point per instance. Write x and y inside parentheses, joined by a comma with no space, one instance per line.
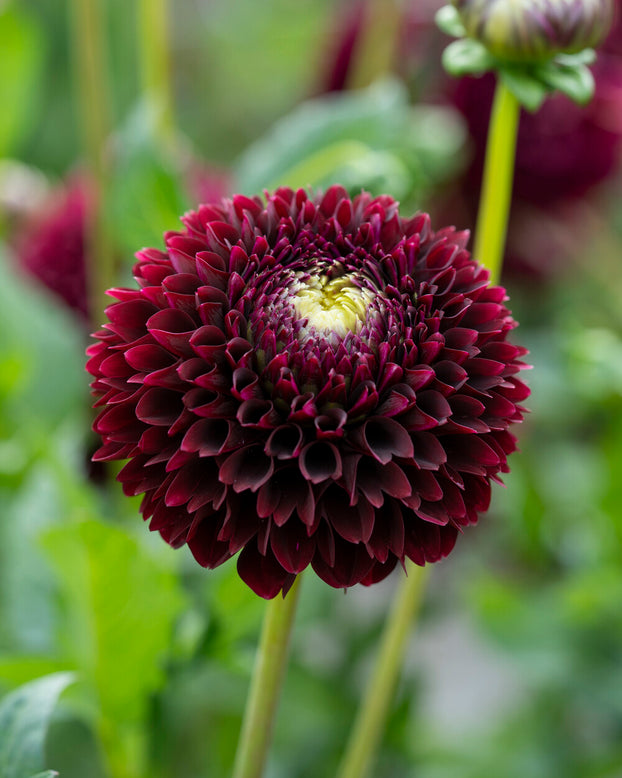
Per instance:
(51,244)
(313,380)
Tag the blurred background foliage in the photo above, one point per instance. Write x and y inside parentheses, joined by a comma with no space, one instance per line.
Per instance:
(514,669)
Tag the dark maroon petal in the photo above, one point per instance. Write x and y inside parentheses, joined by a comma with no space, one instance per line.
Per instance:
(247,468)
(172,329)
(354,523)
(331,423)
(204,544)
(285,442)
(285,493)
(375,480)
(208,342)
(148,358)
(379,572)
(263,573)
(429,452)
(128,319)
(257,413)
(388,535)
(383,438)
(320,461)
(351,565)
(292,546)
(159,407)
(184,484)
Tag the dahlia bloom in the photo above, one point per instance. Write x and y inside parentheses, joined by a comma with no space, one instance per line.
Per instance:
(312,380)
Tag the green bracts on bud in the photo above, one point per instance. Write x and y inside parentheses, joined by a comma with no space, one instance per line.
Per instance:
(535,30)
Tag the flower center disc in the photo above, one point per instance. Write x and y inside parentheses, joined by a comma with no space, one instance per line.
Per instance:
(332,305)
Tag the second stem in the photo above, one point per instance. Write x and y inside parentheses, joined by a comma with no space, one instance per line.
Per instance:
(496,194)
(268,674)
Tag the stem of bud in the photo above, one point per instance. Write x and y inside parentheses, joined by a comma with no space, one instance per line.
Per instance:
(496,194)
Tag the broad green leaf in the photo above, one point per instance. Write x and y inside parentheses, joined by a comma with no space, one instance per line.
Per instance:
(372,117)
(24,717)
(46,774)
(145,200)
(353,165)
(121,603)
(370,139)
(17,669)
(146,196)
(20,63)
(46,345)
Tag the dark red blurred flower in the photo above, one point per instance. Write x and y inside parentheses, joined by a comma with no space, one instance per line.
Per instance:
(563,149)
(308,381)
(344,35)
(51,243)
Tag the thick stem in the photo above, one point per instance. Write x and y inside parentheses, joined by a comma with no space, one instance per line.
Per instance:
(496,195)
(268,675)
(369,724)
(93,99)
(155,65)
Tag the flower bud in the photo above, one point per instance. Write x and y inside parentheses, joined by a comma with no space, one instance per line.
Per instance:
(535,30)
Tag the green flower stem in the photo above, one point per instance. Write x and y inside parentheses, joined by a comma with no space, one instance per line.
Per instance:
(268,675)
(155,65)
(369,724)
(93,98)
(496,195)
(489,248)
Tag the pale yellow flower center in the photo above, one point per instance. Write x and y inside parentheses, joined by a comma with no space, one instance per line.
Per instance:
(332,305)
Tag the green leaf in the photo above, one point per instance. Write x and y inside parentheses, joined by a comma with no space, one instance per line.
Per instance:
(46,774)
(370,139)
(467,57)
(20,65)
(145,200)
(17,669)
(121,605)
(146,195)
(348,162)
(528,90)
(370,118)
(448,20)
(575,81)
(46,346)
(24,718)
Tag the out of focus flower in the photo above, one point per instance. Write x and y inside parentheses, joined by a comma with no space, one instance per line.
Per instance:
(535,30)
(563,152)
(51,243)
(309,380)
(344,36)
